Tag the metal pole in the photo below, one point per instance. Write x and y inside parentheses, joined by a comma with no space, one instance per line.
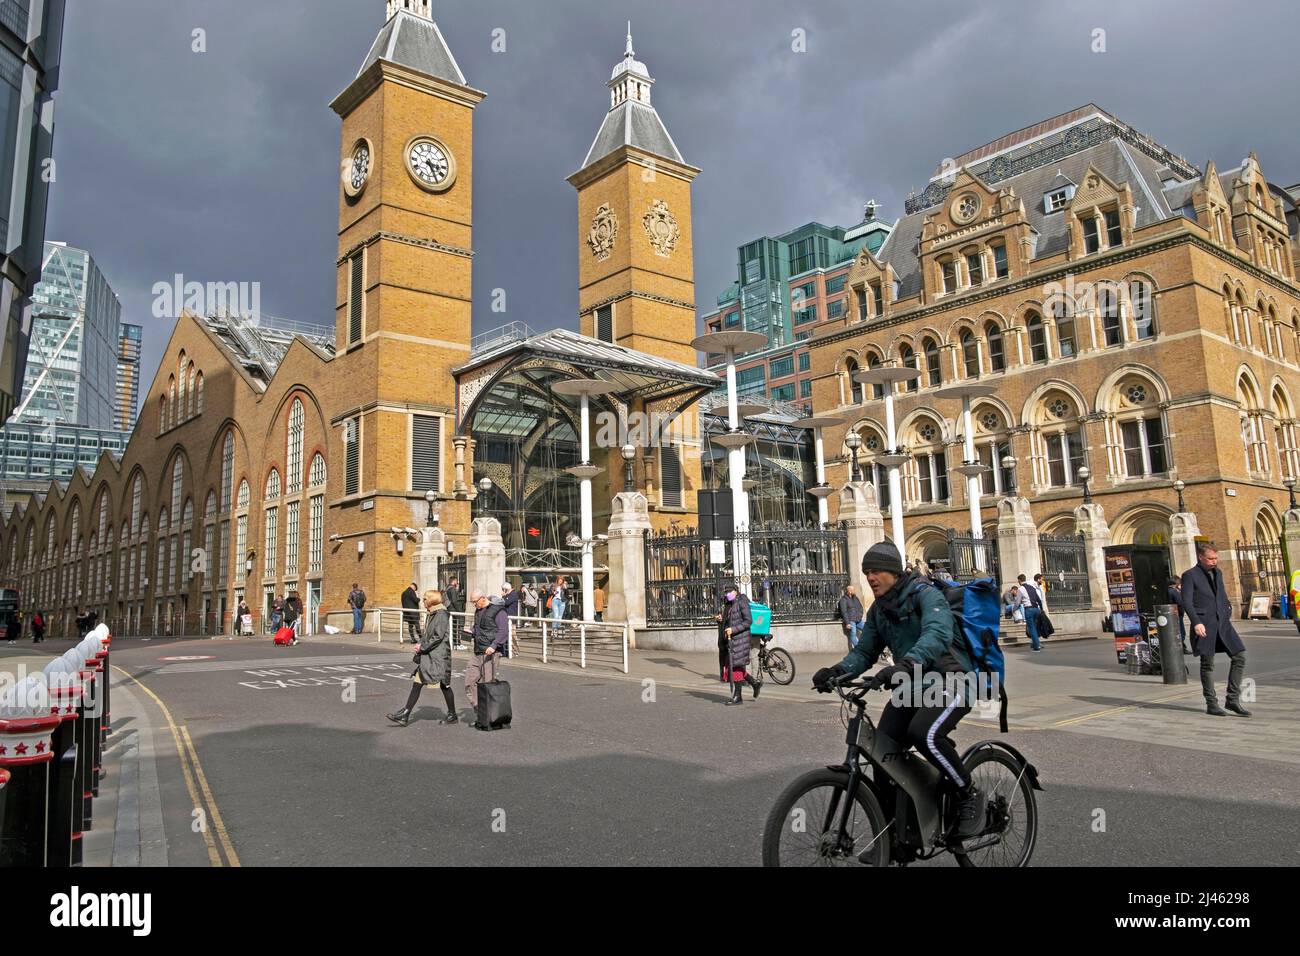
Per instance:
(973,488)
(582,641)
(895,479)
(625,647)
(584,491)
(1172,667)
(823,515)
(736,477)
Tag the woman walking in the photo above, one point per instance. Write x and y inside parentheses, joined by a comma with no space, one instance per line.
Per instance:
(433,659)
(736,620)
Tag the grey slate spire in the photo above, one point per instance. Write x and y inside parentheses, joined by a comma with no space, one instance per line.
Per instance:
(412,39)
(631,120)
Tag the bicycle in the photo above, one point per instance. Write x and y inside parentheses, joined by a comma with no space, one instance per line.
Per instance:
(837,816)
(775,661)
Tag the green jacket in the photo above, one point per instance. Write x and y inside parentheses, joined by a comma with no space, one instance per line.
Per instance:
(926,633)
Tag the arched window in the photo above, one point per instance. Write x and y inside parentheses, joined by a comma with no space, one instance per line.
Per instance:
(1037,337)
(183,411)
(1284,433)
(227,470)
(1253,439)
(929,478)
(908,358)
(293,456)
(192,408)
(162,414)
(171,399)
(1057,442)
(1144,318)
(198,394)
(997,360)
(316,477)
(873,361)
(970,352)
(1063,319)
(992,444)
(856,395)
(178,478)
(241,501)
(137,492)
(933,370)
(948,274)
(1108,304)
(1141,429)
(272,485)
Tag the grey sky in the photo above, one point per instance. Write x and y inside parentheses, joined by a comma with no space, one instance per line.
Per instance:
(223,165)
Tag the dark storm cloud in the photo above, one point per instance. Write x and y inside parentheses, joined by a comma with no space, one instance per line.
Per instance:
(223,165)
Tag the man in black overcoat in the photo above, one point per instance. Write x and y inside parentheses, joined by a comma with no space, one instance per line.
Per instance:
(1209,611)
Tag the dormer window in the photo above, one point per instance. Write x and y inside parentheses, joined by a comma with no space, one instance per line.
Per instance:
(1091,236)
(1114,237)
(878,297)
(1057,199)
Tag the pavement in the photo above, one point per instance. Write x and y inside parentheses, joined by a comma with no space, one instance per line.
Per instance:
(234,752)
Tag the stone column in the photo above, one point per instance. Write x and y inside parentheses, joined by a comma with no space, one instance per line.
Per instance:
(1182,542)
(459,442)
(860,515)
(1017,540)
(428,554)
(1090,521)
(629,522)
(485,558)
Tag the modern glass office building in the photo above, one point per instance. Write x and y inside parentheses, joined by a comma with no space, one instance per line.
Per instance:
(72,359)
(129,343)
(31,35)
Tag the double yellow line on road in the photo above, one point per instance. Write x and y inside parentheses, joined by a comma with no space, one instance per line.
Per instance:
(196,783)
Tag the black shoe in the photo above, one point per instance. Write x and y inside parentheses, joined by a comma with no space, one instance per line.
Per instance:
(451,718)
(1237,709)
(754,685)
(735,695)
(1214,710)
(401,718)
(970,812)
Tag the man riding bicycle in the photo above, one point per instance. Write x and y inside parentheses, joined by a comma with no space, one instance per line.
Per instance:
(912,618)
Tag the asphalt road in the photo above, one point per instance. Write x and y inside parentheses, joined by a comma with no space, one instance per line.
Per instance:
(302,768)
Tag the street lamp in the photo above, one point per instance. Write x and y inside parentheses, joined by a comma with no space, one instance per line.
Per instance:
(1290,487)
(854,441)
(628,452)
(1009,466)
(430,519)
(1179,485)
(1084,474)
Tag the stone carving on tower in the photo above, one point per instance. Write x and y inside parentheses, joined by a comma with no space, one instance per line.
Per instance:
(604,228)
(662,228)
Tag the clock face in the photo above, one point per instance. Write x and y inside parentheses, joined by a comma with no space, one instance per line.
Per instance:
(430,164)
(356,168)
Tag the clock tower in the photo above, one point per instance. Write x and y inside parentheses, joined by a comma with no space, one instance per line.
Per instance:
(403,277)
(636,280)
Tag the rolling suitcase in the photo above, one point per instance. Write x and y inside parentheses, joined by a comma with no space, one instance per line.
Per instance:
(284,637)
(493,710)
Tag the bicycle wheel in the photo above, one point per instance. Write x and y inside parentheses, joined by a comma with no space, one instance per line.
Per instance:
(1012,812)
(780,665)
(803,825)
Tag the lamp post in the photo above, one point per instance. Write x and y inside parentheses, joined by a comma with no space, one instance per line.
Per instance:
(430,519)
(854,441)
(970,466)
(1290,487)
(888,376)
(1009,466)
(1084,474)
(729,344)
(629,454)
(1179,485)
(821,491)
(584,389)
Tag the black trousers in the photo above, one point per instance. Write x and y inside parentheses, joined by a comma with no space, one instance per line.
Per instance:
(927,729)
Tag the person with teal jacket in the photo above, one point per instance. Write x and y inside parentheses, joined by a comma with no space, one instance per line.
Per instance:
(911,618)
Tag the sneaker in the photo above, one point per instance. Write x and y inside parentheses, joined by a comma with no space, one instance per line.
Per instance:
(970,812)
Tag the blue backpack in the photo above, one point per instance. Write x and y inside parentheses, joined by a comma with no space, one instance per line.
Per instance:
(977,607)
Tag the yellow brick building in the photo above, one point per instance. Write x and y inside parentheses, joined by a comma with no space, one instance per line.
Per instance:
(1137,315)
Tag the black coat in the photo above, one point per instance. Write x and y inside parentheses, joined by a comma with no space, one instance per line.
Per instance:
(411,599)
(435,647)
(850,609)
(736,616)
(1209,605)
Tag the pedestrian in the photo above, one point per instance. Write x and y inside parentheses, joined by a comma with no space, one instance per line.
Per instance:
(453,601)
(38,627)
(277,614)
(491,632)
(1032,603)
(1013,603)
(915,621)
(293,614)
(555,604)
(530,599)
(1045,626)
(598,601)
(244,617)
(1175,598)
(1205,600)
(736,620)
(510,598)
(432,660)
(15,628)
(850,612)
(356,601)
(411,600)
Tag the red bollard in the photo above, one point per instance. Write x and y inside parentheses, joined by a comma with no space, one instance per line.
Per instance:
(26,753)
(67,777)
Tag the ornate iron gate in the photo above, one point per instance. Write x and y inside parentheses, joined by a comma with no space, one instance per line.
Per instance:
(799,572)
(452,567)
(1260,568)
(970,557)
(1065,571)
